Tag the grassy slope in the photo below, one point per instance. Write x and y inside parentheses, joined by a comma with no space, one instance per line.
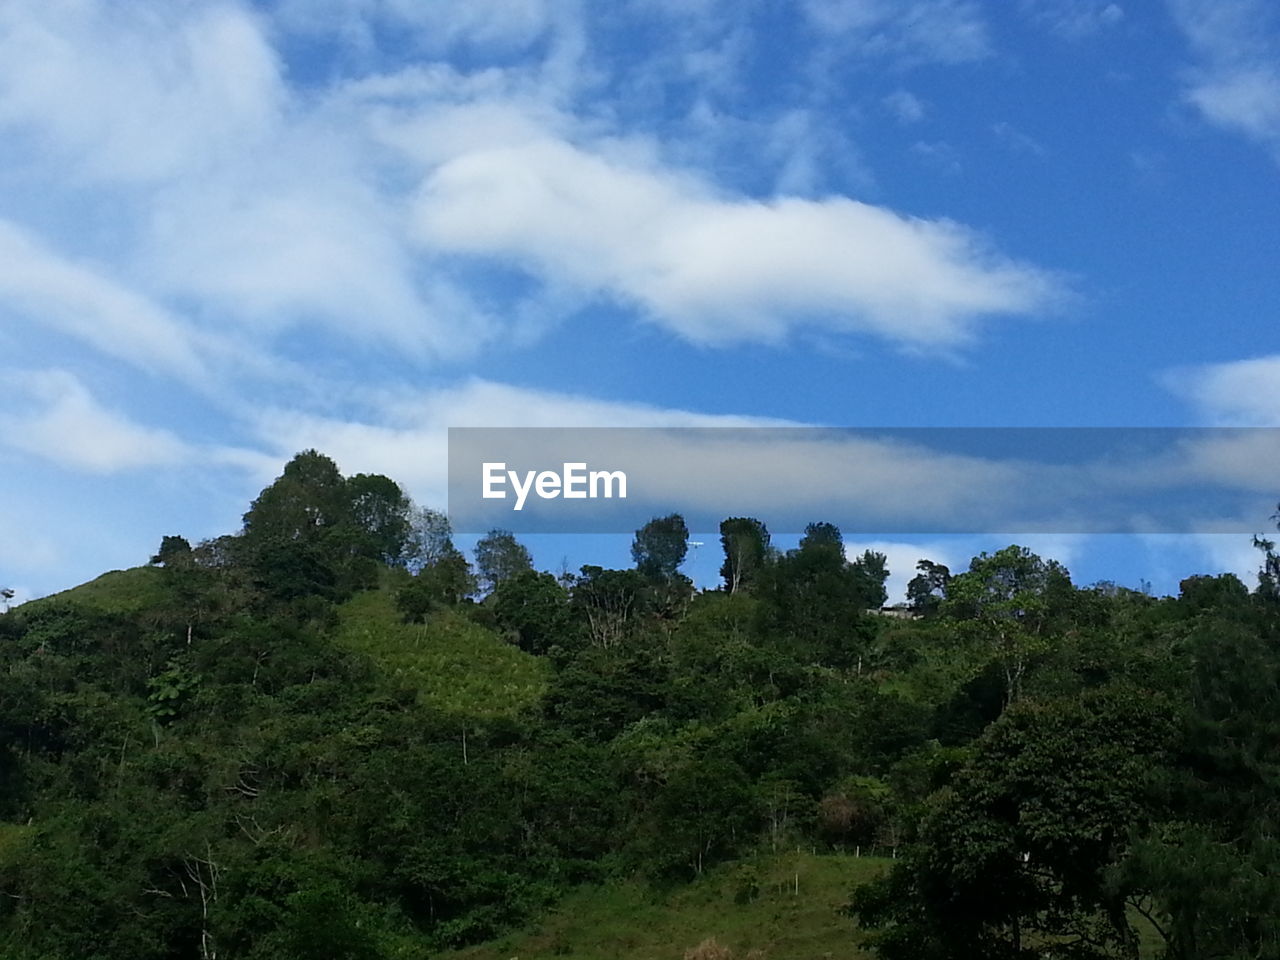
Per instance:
(119,591)
(455,665)
(628,921)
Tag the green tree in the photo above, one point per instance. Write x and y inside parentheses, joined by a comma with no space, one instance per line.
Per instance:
(1023,847)
(660,546)
(535,608)
(172,550)
(444,583)
(429,540)
(824,537)
(379,511)
(928,588)
(746,548)
(1012,598)
(870,571)
(611,602)
(499,557)
(306,500)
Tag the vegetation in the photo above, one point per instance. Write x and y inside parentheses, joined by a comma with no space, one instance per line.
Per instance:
(327,736)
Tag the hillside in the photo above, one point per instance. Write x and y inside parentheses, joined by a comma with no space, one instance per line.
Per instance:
(119,591)
(331,735)
(453,664)
(785,906)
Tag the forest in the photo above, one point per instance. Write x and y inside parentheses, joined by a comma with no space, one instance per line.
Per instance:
(332,735)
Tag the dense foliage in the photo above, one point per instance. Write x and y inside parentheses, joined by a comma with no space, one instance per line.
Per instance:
(318,738)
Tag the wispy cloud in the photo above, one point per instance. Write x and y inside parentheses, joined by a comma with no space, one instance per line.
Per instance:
(1235,83)
(42,287)
(921,31)
(1237,393)
(719,269)
(52,415)
(905,106)
(1016,140)
(1073,19)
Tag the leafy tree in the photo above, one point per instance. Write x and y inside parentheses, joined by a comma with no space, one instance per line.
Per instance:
(499,557)
(660,546)
(1012,597)
(818,600)
(822,536)
(610,601)
(308,498)
(1022,847)
(536,609)
(870,571)
(379,511)
(746,548)
(172,550)
(445,582)
(928,588)
(429,540)
(1209,867)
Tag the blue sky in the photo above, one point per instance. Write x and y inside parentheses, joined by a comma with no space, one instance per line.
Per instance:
(232,230)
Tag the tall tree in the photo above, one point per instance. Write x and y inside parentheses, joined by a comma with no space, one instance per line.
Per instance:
(611,601)
(172,550)
(746,546)
(306,500)
(660,546)
(379,511)
(823,536)
(870,571)
(1022,847)
(499,557)
(1012,598)
(429,539)
(928,587)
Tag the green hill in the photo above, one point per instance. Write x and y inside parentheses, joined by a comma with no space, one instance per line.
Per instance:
(455,665)
(118,591)
(783,906)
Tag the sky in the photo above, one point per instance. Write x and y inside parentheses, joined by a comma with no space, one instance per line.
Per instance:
(230,231)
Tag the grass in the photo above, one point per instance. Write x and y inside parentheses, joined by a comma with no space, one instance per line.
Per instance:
(119,591)
(630,921)
(455,665)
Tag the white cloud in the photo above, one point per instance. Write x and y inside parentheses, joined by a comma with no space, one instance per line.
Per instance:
(262,208)
(81,301)
(1239,393)
(1236,82)
(1074,19)
(140,91)
(719,269)
(491,24)
(937,31)
(53,416)
(242,198)
(905,106)
(1231,553)
(1016,140)
(940,155)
